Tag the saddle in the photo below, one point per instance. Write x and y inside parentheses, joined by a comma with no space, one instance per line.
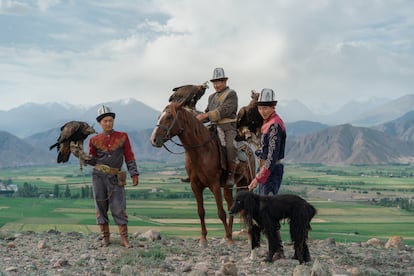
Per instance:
(243,149)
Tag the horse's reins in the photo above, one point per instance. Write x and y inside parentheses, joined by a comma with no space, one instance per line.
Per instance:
(168,136)
(241,187)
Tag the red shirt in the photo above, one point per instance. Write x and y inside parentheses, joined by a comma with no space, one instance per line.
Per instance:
(111,149)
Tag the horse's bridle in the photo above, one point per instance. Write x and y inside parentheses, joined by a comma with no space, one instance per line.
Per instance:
(168,136)
(168,129)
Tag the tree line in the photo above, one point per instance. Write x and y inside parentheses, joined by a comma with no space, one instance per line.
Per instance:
(86,191)
(29,190)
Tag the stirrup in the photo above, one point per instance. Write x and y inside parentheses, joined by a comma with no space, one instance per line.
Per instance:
(230,180)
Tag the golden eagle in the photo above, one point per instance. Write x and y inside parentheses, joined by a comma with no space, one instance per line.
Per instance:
(71,139)
(249,121)
(188,94)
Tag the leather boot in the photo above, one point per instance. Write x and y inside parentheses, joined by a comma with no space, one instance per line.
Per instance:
(279,252)
(123,232)
(105,234)
(231,168)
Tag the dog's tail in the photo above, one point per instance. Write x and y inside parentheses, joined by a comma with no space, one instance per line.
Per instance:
(311,211)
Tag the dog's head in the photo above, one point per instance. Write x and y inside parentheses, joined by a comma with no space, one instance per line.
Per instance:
(244,202)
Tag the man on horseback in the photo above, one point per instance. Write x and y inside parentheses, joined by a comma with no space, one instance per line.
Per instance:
(222,112)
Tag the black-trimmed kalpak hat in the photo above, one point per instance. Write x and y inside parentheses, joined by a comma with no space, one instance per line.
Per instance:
(267,97)
(218,74)
(104,111)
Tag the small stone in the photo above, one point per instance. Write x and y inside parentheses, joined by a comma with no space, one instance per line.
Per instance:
(186,268)
(151,235)
(229,269)
(11,268)
(375,242)
(395,242)
(301,270)
(41,244)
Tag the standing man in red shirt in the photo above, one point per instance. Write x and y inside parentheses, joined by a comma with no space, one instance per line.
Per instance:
(108,151)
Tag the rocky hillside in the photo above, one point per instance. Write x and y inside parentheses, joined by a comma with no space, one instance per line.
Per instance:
(15,152)
(55,253)
(346,144)
(402,127)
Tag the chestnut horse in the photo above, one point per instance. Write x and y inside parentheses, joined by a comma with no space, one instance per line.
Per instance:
(203,163)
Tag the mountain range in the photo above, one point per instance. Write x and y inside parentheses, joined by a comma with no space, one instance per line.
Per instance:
(376,132)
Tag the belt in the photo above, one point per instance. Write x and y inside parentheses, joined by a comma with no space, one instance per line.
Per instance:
(106,169)
(226,120)
(262,161)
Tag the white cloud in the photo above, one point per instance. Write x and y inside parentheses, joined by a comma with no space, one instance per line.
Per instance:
(319,52)
(14,7)
(47,4)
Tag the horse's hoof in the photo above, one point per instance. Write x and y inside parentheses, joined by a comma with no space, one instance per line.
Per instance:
(203,244)
(226,241)
(231,244)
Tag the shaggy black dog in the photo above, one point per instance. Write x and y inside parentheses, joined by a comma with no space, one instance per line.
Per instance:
(263,213)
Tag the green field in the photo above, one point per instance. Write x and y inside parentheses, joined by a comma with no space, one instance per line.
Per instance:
(343,197)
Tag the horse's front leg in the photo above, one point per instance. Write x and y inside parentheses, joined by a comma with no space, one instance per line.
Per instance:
(228,197)
(198,193)
(216,190)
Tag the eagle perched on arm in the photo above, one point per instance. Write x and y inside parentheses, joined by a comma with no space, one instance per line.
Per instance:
(71,139)
(188,94)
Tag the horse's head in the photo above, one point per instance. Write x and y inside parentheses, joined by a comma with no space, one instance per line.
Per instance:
(168,125)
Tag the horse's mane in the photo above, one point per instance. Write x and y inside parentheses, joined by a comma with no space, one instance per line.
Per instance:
(189,119)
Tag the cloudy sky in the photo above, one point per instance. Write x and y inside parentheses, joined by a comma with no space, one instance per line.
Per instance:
(323,53)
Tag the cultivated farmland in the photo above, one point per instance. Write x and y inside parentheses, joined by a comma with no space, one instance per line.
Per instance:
(354,203)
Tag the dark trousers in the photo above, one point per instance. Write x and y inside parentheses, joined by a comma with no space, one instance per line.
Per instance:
(272,185)
(108,194)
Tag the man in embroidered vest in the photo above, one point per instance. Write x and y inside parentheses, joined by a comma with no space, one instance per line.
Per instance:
(222,111)
(108,151)
(272,151)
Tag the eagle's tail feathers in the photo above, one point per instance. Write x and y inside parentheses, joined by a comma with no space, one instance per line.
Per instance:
(63,158)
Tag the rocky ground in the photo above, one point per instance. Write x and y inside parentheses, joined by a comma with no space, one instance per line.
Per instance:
(55,253)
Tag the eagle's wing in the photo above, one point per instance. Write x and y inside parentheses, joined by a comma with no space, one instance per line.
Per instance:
(68,130)
(241,116)
(63,142)
(188,95)
(249,120)
(182,94)
(71,132)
